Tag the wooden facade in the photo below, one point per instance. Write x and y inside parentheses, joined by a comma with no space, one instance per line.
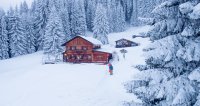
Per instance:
(125,43)
(81,50)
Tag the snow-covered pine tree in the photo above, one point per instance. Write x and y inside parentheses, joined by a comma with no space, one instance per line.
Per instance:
(134,16)
(116,16)
(42,13)
(16,35)
(23,8)
(27,21)
(54,37)
(10,12)
(78,18)
(172,56)
(128,8)
(101,27)
(90,14)
(64,14)
(120,22)
(31,39)
(59,4)
(112,14)
(143,9)
(103,2)
(16,11)
(33,8)
(3,37)
(192,51)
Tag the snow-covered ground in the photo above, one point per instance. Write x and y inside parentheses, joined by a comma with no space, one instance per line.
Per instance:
(24,81)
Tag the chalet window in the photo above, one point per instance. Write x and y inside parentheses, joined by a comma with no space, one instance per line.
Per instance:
(69,57)
(73,57)
(84,48)
(100,57)
(67,48)
(97,46)
(89,57)
(73,47)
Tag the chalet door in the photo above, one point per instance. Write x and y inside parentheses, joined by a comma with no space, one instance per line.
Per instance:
(71,58)
(100,58)
(79,57)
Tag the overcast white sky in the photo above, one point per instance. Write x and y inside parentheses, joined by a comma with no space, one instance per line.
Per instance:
(5,4)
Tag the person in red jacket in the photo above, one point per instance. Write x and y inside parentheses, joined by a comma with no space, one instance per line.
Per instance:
(110,69)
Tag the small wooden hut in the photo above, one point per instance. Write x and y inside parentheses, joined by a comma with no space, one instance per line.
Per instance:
(125,43)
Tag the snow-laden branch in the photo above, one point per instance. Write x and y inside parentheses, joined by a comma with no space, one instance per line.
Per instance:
(169,3)
(196,12)
(186,8)
(148,21)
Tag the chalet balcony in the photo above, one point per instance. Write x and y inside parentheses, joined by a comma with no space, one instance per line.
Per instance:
(77,51)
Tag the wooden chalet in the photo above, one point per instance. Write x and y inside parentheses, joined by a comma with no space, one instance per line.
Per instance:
(125,43)
(85,50)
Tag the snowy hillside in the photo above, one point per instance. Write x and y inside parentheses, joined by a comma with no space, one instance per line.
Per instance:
(26,82)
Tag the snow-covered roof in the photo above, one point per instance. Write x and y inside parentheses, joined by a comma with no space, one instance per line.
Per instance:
(89,39)
(105,48)
(92,40)
(129,39)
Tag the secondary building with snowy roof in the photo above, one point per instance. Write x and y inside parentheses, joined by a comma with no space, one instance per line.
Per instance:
(125,43)
(82,49)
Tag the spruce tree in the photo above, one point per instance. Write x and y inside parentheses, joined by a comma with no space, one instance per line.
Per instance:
(90,14)
(134,16)
(10,12)
(78,18)
(172,56)
(101,27)
(128,8)
(17,38)
(64,14)
(112,14)
(40,21)
(23,8)
(120,22)
(54,36)
(27,19)
(3,37)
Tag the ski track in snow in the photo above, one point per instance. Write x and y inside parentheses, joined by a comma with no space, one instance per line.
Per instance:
(24,81)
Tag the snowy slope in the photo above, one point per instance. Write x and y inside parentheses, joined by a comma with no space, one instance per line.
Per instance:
(26,82)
